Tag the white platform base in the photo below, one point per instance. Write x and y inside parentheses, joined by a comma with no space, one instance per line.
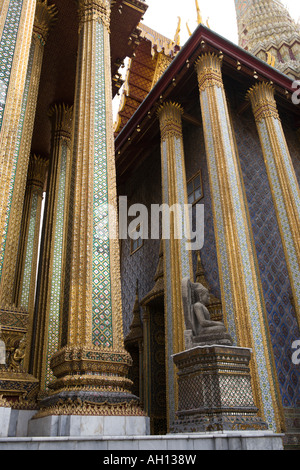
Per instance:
(234,440)
(79,426)
(5,414)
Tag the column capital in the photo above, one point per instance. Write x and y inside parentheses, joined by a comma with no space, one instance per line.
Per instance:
(37,171)
(98,10)
(263,101)
(61,116)
(209,70)
(170,114)
(45,17)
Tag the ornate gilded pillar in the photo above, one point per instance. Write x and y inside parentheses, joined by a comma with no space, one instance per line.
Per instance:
(177,259)
(30,233)
(92,363)
(29,240)
(282,179)
(242,299)
(17,120)
(24,31)
(53,246)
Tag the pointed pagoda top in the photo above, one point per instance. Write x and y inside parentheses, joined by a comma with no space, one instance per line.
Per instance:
(265,27)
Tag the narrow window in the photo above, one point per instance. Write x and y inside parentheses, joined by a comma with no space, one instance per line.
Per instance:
(195,189)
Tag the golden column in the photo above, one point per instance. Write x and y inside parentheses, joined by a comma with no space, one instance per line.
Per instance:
(242,298)
(282,179)
(16,135)
(29,240)
(92,364)
(53,246)
(177,258)
(24,31)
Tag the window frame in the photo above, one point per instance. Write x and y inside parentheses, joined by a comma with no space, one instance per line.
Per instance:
(199,173)
(133,251)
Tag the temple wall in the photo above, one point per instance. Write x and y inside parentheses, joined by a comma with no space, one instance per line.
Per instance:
(273,271)
(145,186)
(195,160)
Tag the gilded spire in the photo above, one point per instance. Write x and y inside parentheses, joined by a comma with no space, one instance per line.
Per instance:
(266,29)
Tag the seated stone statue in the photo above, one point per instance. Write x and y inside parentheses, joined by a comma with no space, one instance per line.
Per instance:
(200,329)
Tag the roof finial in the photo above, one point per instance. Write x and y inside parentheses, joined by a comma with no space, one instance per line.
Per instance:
(199,16)
(177,34)
(188,28)
(271,59)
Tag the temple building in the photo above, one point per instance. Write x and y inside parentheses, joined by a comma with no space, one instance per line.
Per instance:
(95,295)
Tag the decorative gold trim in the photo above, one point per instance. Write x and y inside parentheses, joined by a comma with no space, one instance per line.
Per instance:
(94,10)
(170,115)
(263,103)
(3,14)
(37,173)
(61,117)
(9,265)
(45,18)
(265,109)
(208,67)
(170,118)
(78,408)
(242,313)
(8,143)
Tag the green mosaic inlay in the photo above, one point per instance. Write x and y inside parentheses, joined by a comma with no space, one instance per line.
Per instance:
(242,231)
(181,181)
(101,297)
(54,313)
(16,155)
(7,49)
(220,228)
(29,252)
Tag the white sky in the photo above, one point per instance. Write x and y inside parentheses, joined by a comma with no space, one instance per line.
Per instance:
(162,16)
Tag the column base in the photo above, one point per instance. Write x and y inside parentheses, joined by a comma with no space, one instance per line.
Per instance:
(17,385)
(79,426)
(5,414)
(215,392)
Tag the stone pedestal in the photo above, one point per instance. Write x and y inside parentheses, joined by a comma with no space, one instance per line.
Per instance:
(80,426)
(215,392)
(4,420)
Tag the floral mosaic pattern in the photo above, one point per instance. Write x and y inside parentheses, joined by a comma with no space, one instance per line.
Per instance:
(102,310)
(29,252)
(7,48)
(55,300)
(20,129)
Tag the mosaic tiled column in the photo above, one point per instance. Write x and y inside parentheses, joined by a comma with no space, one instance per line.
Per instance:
(22,45)
(92,364)
(20,62)
(177,259)
(242,300)
(282,179)
(52,253)
(29,240)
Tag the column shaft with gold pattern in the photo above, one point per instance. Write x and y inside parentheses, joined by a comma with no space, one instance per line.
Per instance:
(177,259)
(282,179)
(53,245)
(92,361)
(27,264)
(242,301)
(17,113)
